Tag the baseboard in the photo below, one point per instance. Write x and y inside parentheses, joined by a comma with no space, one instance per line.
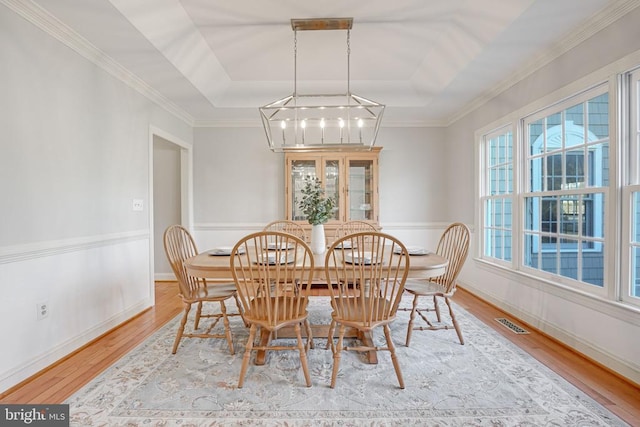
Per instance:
(627,370)
(164,277)
(35,366)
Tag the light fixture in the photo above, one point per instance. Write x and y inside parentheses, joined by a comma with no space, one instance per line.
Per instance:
(321,120)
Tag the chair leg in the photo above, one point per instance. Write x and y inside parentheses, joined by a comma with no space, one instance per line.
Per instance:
(183,322)
(310,344)
(227,327)
(412,317)
(198,315)
(436,307)
(240,311)
(247,355)
(455,322)
(303,355)
(336,355)
(394,357)
(332,327)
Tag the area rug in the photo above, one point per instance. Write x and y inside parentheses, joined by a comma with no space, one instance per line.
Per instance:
(486,382)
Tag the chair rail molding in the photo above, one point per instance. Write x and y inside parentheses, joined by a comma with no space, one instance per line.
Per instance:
(16,253)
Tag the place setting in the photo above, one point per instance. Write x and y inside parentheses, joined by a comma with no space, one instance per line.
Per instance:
(225,251)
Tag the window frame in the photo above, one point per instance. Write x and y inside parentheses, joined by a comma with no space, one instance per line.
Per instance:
(484,195)
(629,93)
(603,244)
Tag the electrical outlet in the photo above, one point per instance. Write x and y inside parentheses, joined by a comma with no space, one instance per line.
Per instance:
(42,310)
(138,205)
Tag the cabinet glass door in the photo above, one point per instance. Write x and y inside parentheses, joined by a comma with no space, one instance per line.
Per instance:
(361,190)
(300,169)
(331,184)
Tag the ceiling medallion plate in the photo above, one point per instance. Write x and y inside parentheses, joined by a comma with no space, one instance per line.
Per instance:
(321,24)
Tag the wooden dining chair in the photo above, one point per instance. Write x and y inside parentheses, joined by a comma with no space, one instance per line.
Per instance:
(454,246)
(378,265)
(272,271)
(286,226)
(179,245)
(354,226)
(350,227)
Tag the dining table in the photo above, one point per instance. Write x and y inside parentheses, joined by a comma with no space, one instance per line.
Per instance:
(215,264)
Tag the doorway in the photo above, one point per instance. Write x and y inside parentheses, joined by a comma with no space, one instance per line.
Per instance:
(171,169)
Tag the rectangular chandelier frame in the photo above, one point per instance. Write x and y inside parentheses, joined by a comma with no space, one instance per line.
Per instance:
(305,121)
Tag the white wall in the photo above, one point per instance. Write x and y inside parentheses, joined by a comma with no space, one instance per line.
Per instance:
(74,155)
(606,331)
(239,184)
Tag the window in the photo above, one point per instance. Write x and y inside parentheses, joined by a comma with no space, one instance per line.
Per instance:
(565,194)
(631,292)
(497,195)
(559,193)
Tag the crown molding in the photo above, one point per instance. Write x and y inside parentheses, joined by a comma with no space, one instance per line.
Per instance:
(52,26)
(587,29)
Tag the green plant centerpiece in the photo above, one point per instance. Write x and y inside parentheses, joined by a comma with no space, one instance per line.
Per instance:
(315,206)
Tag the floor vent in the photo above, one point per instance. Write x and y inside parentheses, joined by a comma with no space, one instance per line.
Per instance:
(512,326)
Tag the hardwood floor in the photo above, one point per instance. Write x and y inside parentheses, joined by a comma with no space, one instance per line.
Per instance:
(61,380)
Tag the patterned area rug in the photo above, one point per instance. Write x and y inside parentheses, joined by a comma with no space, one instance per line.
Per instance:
(486,382)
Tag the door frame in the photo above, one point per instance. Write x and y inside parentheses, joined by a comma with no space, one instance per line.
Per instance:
(186,191)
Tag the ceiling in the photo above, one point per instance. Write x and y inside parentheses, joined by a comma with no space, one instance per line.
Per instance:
(217,61)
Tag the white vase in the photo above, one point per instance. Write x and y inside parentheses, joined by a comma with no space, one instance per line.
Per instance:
(318,242)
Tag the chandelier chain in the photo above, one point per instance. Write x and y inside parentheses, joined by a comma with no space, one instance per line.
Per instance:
(295,63)
(348,62)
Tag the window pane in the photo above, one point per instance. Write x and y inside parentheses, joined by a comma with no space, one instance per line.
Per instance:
(550,254)
(554,172)
(535,173)
(599,165)
(569,258)
(493,151)
(574,169)
(507,246)
(554,137)
(636,218)
(497,244)
(532,214)
(535,142)
(488,238)
(571,215)
(594,215)
(497,213)
(549,215)
(598,108)
(635,271)
(531,250)
(574,126)
(507,212)
(593,267)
